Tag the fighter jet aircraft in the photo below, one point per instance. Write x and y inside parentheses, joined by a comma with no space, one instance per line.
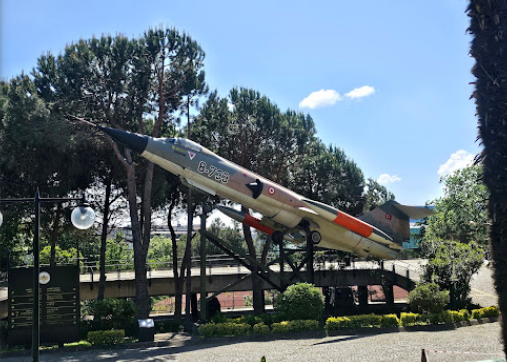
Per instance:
(286,215)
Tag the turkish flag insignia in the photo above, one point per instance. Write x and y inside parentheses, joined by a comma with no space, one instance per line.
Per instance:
(389,216)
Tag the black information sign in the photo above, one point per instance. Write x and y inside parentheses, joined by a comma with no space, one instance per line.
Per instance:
(59,305)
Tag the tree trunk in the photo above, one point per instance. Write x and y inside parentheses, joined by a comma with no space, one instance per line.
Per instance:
(141,285)
(178,280)
(489,48)
(103,241)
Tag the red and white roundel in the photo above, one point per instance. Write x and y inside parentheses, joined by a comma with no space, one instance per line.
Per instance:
(271,190)
(389,216)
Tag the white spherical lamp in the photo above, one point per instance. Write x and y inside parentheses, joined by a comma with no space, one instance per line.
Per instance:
(82,216)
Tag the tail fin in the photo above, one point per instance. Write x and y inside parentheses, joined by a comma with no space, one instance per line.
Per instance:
(394,219)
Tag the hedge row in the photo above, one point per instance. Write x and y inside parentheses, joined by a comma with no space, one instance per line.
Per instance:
(245,326)
(408,319)
(241,329)
(97,338)
(488,312)
(365,320)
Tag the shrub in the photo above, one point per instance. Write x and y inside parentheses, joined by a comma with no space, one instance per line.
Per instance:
(282,327)
(488,312)
(389,320)
(260,328)
(428,298)
(444,316)
(365,320)
(303,326)
(465,314)
(219,318)
(300,301)
(410,319)
(113,313)
(97,338)
(224,329)
(167,326)
(456,316)
(334,323)
(296,326)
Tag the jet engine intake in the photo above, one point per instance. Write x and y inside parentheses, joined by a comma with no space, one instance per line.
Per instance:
(256,188)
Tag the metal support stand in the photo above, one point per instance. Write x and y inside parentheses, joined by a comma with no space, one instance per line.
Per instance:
(203,291)
(309,262)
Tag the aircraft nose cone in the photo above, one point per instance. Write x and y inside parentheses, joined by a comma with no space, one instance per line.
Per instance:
(133,141)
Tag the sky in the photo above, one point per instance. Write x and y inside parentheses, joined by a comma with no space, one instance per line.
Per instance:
(386,81)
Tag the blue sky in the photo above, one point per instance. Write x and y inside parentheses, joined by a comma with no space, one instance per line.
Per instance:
(386,81)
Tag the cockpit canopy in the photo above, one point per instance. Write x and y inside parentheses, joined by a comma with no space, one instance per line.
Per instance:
(188,144)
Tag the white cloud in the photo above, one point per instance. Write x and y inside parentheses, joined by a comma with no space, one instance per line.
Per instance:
(230,106)
(322,98)
(459,159)
(361,92)
(326,98)
(388,179)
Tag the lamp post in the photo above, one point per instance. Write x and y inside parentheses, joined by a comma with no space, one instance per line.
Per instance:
(82,218)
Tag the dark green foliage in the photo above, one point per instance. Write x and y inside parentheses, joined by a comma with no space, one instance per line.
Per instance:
(224,329)
(260,328)
(167,326)
(116,314)
(428,298)
(376,195)
(300,301)
(452,266)
(250,319)
(328,175)
(97,338)
(460,215)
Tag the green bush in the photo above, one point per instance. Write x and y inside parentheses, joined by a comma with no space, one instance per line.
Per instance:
(167,326)
(465,314)
(113,313)
(390,320)
(300,301)
(219,318)
(261,328)
(97,338)
(444,316)
(428,298)
(365,320)
(335,323)
(295,326)
(461,316)
(488,312)
(410,319)
(224,329)
(282,327)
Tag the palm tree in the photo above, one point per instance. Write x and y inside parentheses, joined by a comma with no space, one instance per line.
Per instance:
(489,48)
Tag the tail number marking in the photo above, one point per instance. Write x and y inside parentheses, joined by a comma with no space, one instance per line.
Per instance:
(213,171)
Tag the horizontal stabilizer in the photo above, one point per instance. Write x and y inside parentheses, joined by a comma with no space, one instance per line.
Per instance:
(414,212)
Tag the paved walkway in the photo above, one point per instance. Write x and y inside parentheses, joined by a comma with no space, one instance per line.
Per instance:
(474,343)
